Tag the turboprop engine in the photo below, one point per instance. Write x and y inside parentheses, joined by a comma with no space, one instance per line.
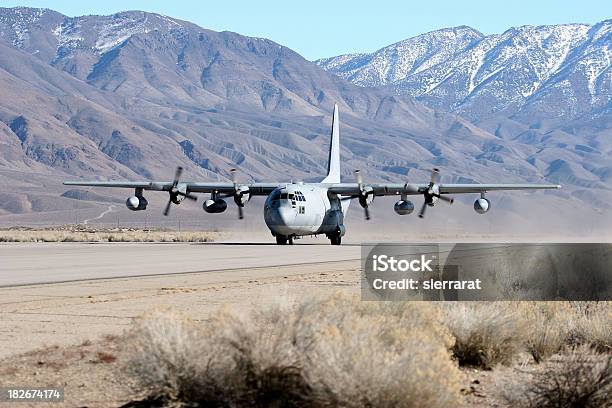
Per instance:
(136,203)
(366,195)
(432,194)
(403,207)
(482,205)
(215,206)
(241,197)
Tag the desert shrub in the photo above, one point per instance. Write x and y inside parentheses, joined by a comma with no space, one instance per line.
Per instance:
(548,328)
(51,235)
(579,377)
(494,332)
(591,324)
(486,334)
(328,352)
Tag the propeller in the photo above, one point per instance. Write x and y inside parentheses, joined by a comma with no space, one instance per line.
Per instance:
(364,194)
(240,213)
(422,211)
(433,191)
(175,192)
(239,194)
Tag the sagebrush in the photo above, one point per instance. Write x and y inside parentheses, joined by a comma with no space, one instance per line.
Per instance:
(328,352)
(580,377)
(105,236)
(486,334)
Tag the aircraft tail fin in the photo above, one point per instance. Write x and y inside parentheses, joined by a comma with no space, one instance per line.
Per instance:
(333,165)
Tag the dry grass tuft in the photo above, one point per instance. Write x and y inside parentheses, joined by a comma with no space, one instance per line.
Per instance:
(548,327)
(328,352)
(486,334)
(591,324)
(114,235)
(495,332)
(580,377)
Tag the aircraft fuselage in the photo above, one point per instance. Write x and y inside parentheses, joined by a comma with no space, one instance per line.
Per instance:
(300,209)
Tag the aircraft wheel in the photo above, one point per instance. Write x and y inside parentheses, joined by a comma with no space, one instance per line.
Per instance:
(281,240)
(335,239)
(290,240)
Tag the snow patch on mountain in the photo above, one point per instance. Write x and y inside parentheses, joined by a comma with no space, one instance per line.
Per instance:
(68,36)
(18,20)
(459,69)
(117,31)
(104,33)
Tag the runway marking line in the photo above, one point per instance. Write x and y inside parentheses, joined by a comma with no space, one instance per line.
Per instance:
(154,275)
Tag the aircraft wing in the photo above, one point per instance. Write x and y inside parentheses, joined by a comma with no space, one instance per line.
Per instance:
(481,188)
(221,187)
(379,189)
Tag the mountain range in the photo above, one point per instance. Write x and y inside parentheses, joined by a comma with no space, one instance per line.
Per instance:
(552,72)
(134,94)
(546,86)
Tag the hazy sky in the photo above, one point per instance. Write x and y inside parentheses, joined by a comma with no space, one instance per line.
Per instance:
(322,28)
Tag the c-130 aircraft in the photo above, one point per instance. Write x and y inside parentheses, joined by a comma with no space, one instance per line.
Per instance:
(299,209)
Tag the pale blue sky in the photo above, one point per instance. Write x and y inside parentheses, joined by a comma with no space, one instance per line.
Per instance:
(317,28)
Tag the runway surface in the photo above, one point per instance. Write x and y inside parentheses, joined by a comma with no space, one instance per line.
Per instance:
(37,263)
(67,293)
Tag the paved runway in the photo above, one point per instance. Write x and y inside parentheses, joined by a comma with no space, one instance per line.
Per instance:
(35,263)
(105,286)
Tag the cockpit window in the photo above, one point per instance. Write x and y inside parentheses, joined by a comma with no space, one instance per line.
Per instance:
(299,196)
(295,196)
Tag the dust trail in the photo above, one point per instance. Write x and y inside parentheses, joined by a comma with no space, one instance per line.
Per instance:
(102,214)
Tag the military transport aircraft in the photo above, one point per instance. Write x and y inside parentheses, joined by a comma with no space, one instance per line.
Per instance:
(298,209)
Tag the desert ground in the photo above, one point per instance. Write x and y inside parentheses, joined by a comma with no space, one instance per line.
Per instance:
(68,308)
(65,293)
(67,296)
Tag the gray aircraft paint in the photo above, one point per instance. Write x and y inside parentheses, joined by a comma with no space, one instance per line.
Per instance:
(324,205)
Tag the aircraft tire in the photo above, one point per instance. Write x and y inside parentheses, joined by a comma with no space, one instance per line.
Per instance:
(281,240)
(335,239)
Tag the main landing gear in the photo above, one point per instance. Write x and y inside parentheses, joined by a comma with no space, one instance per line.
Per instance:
(335,239)
(284,240)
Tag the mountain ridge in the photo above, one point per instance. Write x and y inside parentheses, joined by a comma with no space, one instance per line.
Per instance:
(514,71)
(134,94)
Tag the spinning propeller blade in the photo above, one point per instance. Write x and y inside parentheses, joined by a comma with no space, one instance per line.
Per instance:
(174,192)
(363,195)
(433,190)
(240,207)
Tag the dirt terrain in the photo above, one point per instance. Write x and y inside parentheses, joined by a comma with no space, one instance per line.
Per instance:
(66,308)
(74,328)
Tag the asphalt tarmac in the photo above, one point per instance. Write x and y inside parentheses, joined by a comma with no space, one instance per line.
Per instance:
(39,263)
(66,293)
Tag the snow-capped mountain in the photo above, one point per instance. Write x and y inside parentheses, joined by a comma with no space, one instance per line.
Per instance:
(555,71)
(74,41)
(133,94)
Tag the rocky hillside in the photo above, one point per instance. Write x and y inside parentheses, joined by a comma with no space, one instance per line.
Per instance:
(134,94)
(526,69)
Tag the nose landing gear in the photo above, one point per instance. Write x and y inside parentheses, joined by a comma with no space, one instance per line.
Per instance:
(335,239)
(284,240)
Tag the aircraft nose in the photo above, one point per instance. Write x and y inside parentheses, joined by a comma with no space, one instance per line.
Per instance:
(280,219)
(286,215)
